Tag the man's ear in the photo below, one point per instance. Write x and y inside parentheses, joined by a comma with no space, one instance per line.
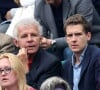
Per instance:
(41,38)
(15,42)
(89,36)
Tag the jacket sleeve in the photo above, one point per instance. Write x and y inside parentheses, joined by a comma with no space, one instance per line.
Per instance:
(97,72)
(83,7)
(37,12)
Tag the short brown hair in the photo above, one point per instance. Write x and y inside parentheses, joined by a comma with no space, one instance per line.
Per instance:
(78,19)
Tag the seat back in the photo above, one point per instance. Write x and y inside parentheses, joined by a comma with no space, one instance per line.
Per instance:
(96,29)
(4,26)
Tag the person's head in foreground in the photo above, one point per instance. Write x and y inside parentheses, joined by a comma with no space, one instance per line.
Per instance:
(55,83)
(12,73)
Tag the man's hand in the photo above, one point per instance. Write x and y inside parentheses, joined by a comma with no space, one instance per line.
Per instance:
(8,15)
(46,43)
(22,54)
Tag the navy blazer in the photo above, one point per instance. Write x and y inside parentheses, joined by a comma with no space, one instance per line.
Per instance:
(43,66)
(90,73)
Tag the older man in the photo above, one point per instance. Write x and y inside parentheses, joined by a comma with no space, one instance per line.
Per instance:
(41,64)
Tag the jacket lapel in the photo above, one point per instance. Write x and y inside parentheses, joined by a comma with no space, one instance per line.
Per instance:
(71,76)
(85,63)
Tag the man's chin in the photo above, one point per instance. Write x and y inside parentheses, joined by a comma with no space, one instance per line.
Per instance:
(31,52)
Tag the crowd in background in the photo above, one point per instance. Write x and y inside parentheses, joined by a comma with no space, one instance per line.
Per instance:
(57,42)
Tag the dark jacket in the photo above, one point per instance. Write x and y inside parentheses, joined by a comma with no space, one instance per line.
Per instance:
(90,73)
(44,65)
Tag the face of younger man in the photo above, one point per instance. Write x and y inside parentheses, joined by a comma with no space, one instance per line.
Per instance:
(76,38)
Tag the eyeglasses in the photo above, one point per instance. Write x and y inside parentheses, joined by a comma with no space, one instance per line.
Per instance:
(6,70)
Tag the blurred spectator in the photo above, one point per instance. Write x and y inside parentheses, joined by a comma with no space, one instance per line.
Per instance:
(55,83)
(12,73)
(27,5)
(6,44)
(26,10)
(6,5)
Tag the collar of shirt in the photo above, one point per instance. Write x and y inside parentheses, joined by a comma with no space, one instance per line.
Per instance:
(80,58)
(29,62)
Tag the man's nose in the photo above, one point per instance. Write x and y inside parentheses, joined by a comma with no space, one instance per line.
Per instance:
(3,72)
(29,37)
(73,38)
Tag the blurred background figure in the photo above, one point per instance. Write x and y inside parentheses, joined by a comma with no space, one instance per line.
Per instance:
(12,73)
(5,6)
(26,10)
(27,5)
(6,44)
(55,83)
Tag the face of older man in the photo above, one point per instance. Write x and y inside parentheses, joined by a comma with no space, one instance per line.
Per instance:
(29,38)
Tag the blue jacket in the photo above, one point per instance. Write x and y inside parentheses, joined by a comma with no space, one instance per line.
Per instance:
(90,73)
(44,65)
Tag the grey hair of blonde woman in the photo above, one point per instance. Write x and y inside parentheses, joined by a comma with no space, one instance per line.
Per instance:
(27,22)
(18,68)
(55,83)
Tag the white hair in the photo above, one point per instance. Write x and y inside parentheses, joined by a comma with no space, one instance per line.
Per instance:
(27,21)
(55,83)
